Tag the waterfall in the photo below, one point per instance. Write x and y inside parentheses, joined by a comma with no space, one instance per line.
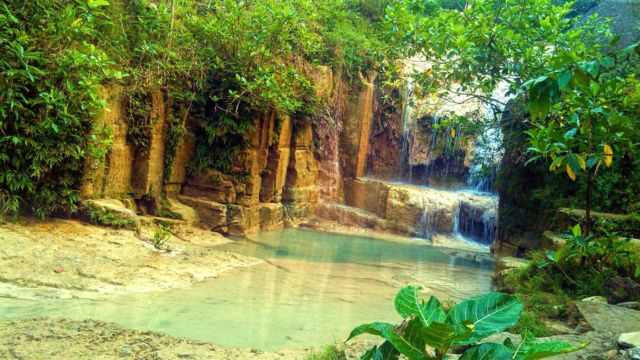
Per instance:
(489,151)
(428,223)
(405,151)
(474,224)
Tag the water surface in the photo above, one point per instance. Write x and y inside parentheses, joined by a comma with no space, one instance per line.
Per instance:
(313,289)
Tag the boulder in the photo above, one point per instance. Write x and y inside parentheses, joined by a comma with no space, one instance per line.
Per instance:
(213,185)
(211,214)
(622,289)
(271,216)
(243,220)
(511,263)
(632,354)
(609,318)
(629,340)
(504,266)
(633,305)
(551,240)
(596,299)
(110,212)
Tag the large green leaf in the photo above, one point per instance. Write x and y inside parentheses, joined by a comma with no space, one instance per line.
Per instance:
(442,336)
(407,340)
(386,351)
(408,303)
(488,314)
(488,351)
(530,349)
(375,328)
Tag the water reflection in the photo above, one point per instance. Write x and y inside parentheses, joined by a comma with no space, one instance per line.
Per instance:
(312,289)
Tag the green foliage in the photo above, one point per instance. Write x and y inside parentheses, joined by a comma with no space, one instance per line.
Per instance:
(543,298)
(50,73)
(160,236)
(498,41)
(101,216)
(429,324)
(175,136)
(222,62)
(599,257)
(593,117)
(528,349)
(329,353)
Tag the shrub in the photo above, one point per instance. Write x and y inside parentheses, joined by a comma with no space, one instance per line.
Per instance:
(429,324)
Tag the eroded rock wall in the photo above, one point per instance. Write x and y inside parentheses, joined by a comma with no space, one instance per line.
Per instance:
(111,174)
(288,167)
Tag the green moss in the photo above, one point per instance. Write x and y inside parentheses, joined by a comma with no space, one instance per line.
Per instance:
(331,352)
(533,324)
(100,216)
(166,212)
(543,298)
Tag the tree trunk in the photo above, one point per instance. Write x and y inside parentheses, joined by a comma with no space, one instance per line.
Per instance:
(587,227)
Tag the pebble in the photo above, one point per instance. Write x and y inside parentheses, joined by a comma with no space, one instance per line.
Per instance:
(57,270)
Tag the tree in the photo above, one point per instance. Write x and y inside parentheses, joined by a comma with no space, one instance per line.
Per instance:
(585,114)
(493,42)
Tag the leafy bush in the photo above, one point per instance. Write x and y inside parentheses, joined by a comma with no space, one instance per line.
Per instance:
(50,73)
(586,261)
(222,62)
(428,324)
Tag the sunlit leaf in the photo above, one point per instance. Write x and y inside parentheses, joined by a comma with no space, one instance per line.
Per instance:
(489,314)
(408,303)
(572,175)
(608,155)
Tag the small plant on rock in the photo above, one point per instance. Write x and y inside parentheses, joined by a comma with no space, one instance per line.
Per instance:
(427,325)
(160,236)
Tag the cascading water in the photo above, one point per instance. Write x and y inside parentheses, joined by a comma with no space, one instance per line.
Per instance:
(488,150)
(487,156)
(428,223)
(438,159)
(406,128)
(474,224)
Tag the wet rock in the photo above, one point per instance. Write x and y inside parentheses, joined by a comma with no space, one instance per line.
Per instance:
(629,340)
(210,213)
(596,299)
(608,318)
(271,216)
(632,354)
(633,305)
(103,260)
(552,240)
(89,339)
(559,328)
(511,263)
(622,289)
(505,266)
(212,185)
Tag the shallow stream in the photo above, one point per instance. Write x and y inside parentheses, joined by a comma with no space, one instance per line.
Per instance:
(312,290)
